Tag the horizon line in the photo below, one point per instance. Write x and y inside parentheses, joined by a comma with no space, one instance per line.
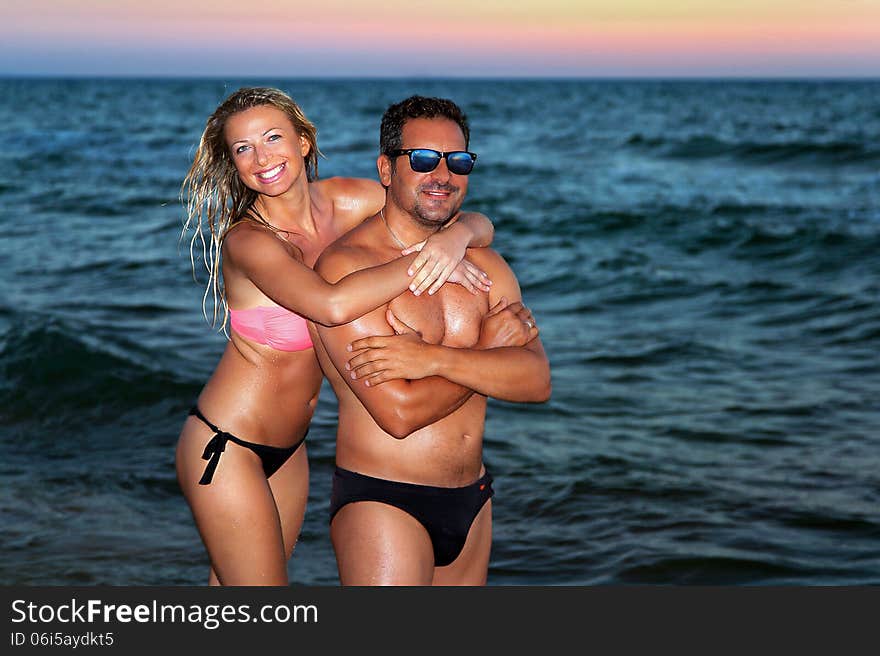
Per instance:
(415,76)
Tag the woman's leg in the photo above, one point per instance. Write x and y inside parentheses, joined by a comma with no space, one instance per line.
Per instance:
(235,514)
(290,487)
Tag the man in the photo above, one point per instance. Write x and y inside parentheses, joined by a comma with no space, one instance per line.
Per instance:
(410,502)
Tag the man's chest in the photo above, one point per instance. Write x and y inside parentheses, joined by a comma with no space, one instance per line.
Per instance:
(451,317)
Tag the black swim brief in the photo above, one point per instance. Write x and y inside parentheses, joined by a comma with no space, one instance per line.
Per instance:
(446,512)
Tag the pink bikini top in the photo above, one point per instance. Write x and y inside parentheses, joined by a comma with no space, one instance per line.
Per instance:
(274,326)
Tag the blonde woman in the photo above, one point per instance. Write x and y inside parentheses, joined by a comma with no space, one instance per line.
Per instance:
(260,218)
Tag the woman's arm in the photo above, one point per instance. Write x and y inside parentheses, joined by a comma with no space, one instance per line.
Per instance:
(263,258)
(482,232)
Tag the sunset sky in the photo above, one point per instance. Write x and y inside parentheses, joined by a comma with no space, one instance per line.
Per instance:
(391,38)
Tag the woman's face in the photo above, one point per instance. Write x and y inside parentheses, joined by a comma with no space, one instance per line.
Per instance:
(266,149)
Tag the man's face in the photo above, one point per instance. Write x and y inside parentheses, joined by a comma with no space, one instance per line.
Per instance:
(430,198)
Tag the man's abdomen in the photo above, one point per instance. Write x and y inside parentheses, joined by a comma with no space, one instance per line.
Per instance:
(447,453)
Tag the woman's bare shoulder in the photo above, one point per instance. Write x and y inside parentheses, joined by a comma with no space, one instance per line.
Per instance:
(340,187)
(352,199)
(248,240)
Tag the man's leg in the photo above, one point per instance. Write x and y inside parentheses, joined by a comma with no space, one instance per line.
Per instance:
(379,544)
(472,564)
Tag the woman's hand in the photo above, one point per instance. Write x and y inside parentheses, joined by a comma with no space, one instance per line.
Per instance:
(380,358)
(470,277)
(507,324)
(441,258)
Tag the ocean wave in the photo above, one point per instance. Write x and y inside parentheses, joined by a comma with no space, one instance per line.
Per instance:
(353,145)
(844,525)
(708,570)
(852,336)
(832,153)
(655,355)
(97,205)
(826,245)
(718,437)
(649,287)
(823,315)
(51,371)
(611,221)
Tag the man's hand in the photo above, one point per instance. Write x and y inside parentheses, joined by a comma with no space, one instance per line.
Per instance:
(507,324)
(379,359)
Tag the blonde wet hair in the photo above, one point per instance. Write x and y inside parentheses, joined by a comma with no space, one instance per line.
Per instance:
(214,196)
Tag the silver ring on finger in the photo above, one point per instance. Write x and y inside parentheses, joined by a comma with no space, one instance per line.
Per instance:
(529,324)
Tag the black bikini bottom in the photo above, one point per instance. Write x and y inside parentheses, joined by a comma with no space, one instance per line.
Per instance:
(272,457)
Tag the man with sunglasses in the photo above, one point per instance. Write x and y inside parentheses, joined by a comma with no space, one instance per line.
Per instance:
(411,497)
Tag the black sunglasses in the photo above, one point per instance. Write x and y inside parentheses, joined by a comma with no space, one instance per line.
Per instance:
(424,160)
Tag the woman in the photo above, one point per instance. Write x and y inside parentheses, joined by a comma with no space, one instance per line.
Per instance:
(261,218)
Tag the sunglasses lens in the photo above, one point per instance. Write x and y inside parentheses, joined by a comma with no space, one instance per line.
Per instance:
(424,160)
(460,163)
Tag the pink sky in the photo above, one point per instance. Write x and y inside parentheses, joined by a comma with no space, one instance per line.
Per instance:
(412,37)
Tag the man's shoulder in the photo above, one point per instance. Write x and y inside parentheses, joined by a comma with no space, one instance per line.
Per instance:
(487,257)
(504,280)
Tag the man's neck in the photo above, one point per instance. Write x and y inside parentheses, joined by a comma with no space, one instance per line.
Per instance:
(404,230)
